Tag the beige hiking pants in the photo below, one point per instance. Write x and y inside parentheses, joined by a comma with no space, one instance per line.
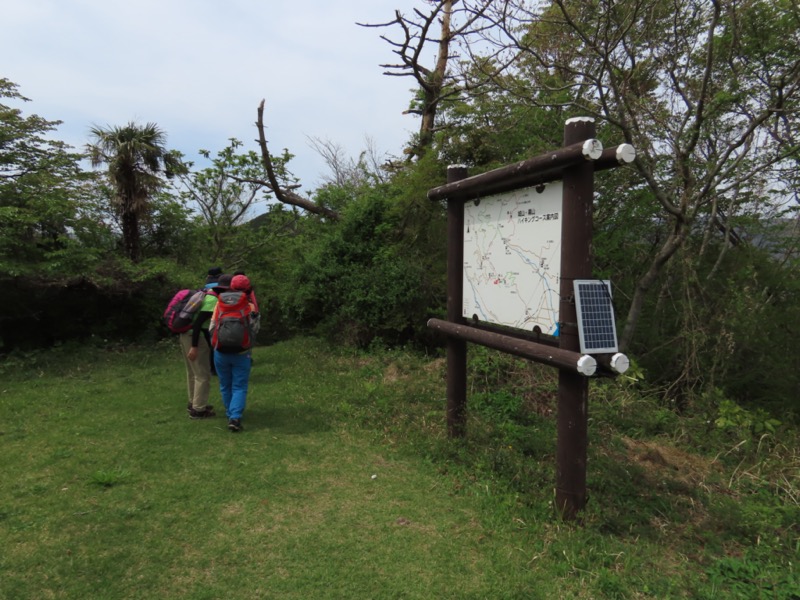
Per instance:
(198,371)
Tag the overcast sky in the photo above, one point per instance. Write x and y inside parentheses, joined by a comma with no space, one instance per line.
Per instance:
(199,68)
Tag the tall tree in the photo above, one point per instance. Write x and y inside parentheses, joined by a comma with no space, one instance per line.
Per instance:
(446,23)
(41,184)
(137,158)
(706,91)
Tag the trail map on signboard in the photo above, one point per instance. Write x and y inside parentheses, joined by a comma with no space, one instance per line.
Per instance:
(512,258)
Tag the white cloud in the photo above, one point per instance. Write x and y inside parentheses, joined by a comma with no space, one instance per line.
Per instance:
(199,68)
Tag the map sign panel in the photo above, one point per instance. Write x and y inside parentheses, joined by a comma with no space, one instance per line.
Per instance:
(512,258)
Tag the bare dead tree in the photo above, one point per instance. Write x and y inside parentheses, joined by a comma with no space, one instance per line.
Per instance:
(437,83)
(369,167)
(284,194)
(376,163)
(340,166)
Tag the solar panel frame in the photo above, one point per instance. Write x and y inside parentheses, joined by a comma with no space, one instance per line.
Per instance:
(597,330)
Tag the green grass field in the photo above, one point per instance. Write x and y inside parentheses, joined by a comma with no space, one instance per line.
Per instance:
(344,485)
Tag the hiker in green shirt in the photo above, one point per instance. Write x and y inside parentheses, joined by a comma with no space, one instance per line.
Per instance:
(197,352)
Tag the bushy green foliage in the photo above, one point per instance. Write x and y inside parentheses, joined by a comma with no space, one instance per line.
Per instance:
(757,315)
(227,194)
(357,284)
(170,231)
(46,207)
(729,325)
(744,422)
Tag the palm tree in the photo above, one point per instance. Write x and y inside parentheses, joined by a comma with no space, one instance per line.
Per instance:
(136,157)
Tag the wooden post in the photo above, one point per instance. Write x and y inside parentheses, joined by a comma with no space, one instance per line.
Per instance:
(456,348)
(576,263)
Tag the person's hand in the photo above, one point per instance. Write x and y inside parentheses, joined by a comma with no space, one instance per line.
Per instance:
(192,354)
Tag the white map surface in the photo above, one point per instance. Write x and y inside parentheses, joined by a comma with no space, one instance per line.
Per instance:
(512,258)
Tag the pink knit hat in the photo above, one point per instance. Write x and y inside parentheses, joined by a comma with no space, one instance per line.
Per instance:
(240,282)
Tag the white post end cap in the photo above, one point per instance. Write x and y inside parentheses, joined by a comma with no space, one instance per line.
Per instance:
(580,120)
(587,365)
(620,363)
(592,149)
(625,153)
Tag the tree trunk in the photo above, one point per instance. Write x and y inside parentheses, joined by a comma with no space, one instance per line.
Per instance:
(130,235)
(667,251)
(433,86)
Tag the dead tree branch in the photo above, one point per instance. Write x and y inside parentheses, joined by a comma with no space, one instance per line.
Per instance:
(287,196)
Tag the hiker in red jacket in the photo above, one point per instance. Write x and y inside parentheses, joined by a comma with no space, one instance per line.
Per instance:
(234,325)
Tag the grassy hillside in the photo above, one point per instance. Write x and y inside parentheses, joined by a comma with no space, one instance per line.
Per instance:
(344,485)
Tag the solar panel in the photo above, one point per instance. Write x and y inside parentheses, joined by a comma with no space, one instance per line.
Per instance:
(597,331)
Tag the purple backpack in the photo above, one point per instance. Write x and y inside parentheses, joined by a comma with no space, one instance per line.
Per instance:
(180,312)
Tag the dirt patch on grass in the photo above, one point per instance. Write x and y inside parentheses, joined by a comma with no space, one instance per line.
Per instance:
(663,461)
(392,374)
(437,365)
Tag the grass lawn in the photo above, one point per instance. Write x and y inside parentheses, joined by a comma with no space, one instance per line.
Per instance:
(342,485)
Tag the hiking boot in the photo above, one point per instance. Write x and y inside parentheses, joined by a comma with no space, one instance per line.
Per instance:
(235,425)
(202,414)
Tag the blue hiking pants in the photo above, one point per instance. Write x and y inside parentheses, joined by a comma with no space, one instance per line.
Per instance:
(233,371)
